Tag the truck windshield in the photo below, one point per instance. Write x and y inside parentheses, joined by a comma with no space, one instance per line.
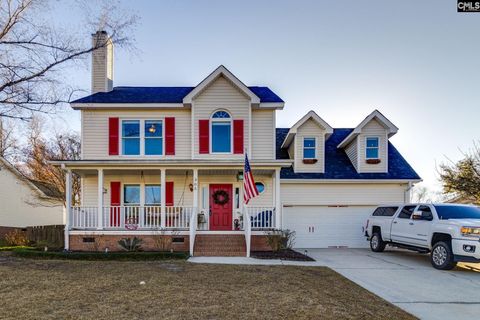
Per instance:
(458,212)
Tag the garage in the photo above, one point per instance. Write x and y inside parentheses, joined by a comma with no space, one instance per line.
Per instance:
(327,226)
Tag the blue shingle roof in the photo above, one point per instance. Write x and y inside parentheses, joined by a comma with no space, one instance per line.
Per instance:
(160,95)
(338,165)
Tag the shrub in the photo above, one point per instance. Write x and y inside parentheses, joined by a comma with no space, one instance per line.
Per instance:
(16,238)
(131,244)
(40,245)
(280,239)
(93,256)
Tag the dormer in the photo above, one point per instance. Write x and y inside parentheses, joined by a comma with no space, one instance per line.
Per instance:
(367,145)
(305,142)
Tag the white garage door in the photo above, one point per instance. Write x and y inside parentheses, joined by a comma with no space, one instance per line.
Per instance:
(323,226)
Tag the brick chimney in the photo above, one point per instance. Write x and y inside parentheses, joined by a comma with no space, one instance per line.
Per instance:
(102,62)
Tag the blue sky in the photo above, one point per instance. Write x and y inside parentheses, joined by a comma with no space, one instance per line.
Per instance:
(415,61)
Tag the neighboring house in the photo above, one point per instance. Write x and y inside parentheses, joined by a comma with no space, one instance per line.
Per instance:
(154,158)
(25,202)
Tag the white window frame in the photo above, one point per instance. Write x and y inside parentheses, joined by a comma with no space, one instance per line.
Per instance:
(145,185)
(142,137)
(377,147)
(142,193)
(139,194)
(314,147)
(224,120)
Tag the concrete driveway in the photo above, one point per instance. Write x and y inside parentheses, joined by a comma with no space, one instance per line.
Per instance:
(407,280)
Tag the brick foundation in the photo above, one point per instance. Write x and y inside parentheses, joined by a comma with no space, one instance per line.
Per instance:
(150,242)
(259,243)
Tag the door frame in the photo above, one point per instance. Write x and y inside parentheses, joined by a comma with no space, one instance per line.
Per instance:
(232,204)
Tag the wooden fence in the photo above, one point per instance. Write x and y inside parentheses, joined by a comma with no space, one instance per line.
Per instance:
(52,235)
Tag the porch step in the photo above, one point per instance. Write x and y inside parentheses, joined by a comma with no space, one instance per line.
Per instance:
(222,245)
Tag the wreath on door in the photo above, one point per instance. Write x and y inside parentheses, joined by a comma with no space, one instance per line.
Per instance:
(220,197)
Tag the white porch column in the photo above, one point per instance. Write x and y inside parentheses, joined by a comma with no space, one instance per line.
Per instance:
(68,206)
(195,188)
(162,198)
(278,203)
(100,200)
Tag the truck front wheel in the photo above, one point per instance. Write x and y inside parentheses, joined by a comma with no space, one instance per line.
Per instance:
(376,242)
(442,256)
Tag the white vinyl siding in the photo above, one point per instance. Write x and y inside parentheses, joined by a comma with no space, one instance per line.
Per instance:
(182,194)
(369,194)
(95,131)
(21,205)
(310,129)
(263,133)
(351,151)
(373,129)
(220,95)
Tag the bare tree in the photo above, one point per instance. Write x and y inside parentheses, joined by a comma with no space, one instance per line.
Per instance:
(33,52)
(38,152)
(8,141)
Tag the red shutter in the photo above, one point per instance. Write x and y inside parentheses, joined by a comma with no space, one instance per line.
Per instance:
(113,136)
(238,136)
(115,200)
(169,193)
(170,136)
(204,135)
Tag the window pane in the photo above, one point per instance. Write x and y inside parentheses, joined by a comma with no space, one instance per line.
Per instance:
(372,153)
(308,153)
(153,128)
(260,187)
(221,137)
(131,128)
(131,146)
(153,146)
(406,212)
(131,194)
(372,142)
(152,194)
(221,114)
(309,143)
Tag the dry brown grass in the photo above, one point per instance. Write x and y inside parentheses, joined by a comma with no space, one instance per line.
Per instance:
(46,289)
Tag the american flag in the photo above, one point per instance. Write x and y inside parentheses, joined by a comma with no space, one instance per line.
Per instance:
(249,188)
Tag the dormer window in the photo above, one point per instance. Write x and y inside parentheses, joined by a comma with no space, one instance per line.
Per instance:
(221,128)
(371,150)
(309,148)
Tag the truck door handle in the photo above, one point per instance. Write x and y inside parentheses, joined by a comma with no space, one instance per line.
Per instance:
(394,221)
(411,223)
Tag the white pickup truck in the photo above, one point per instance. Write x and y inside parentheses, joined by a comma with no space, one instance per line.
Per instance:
(450,232)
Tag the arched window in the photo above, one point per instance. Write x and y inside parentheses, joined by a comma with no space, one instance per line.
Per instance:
(221,130)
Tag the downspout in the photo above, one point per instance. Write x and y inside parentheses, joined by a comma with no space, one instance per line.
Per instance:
(407,198)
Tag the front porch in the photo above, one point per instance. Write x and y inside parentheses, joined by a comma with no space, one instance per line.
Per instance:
(149,201)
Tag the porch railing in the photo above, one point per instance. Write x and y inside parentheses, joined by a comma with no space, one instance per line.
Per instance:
(131,217)
(261,218)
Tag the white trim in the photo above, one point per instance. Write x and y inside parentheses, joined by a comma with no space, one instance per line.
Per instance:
(310,115)
(100,185)
(220,71)
(314,147)
(377,147)
(142,138)
(390,127)
(68,205)
(350,181)
(271,105)
(155,232)
(210,128)
(99,106)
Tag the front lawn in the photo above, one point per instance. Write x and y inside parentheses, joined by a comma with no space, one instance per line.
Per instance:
(54,289)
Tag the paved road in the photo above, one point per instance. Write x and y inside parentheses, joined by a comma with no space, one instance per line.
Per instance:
(409,281)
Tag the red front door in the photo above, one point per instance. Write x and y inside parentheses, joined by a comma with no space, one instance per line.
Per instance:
(221,213)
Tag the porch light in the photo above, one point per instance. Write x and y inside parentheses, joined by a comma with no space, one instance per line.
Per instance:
(240,176)
(152,128)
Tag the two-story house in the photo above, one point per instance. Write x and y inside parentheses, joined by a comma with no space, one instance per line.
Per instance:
(170,160)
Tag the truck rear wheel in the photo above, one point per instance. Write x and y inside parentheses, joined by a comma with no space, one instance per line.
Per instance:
(441,256)
(376,243)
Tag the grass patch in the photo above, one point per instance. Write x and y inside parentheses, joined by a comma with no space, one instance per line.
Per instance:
(93,256)
(11,248)
(56,289)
